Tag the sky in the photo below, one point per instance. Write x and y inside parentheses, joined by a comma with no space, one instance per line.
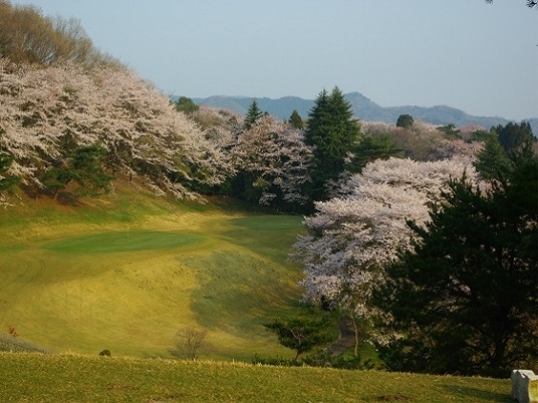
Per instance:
(467,54)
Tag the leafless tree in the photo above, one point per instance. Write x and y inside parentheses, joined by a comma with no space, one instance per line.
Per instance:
(189,343)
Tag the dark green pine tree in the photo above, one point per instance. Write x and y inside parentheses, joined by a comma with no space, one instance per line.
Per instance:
(514,135)
(6,181)
(466,297)
(187,105)
(88,162)
(371,148)
(253,114)
(310,329)
(405,121)
(85,167)
(492,162)
(333,132)
(450,131)
(295,120)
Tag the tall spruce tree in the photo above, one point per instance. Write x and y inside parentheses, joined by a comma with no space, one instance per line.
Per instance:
(465,298)
(254,113)
(492,162)
(513,135)
(333,132)
(295,120)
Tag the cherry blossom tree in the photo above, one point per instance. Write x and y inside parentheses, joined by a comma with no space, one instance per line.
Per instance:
(47,111)
(351,238)
(276,160)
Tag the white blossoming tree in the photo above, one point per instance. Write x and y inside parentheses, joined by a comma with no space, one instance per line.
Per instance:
(274,162)
(47,112)
(352,237)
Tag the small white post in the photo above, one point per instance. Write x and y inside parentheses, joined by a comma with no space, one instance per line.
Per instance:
(524,386)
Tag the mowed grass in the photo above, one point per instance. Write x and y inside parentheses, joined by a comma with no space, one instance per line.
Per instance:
(127,271)
(37,378)
(122,241)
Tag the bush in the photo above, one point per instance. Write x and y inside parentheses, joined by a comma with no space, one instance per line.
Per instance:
(11,344)
(275,361)
(189,343)
(319,358)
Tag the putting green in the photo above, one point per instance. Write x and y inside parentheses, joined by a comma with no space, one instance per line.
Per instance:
(111,242)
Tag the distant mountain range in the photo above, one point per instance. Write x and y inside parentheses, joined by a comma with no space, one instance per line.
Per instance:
(363,108)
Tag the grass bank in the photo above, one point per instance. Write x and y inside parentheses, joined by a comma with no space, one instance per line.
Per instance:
(37,378)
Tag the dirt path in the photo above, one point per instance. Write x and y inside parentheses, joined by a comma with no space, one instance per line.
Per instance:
(346,338)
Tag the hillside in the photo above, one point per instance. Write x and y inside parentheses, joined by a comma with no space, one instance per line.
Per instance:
(126,271)
(363,108)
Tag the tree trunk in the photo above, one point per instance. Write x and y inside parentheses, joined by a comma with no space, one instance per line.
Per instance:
(356,330)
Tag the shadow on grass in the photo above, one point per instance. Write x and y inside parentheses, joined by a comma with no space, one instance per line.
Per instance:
(477,393)
(270,236)
(239,292)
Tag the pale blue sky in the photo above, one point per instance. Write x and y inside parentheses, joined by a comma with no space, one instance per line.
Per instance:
(482,58)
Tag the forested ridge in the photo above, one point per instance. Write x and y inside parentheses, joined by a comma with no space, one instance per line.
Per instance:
(387,207)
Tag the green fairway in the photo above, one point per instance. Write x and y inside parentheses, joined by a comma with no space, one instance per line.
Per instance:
(122,242)
(127,272)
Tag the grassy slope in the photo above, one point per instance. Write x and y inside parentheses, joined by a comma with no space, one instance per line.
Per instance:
(36,378)
(127,271)
(199,266)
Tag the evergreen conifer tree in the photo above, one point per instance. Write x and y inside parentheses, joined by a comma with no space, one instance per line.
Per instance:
(405,121)
(492,161)
(333,132)
(295,120)
(514,135)
(253,115)
(470,283)
(371,148)
(6,181)
(187,105)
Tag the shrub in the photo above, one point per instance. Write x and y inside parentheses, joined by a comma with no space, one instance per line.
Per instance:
(189,343)
(275,361)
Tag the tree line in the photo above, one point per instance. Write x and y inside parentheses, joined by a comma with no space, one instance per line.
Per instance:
(27,36)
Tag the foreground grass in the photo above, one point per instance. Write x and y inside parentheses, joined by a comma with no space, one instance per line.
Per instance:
(38,378)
